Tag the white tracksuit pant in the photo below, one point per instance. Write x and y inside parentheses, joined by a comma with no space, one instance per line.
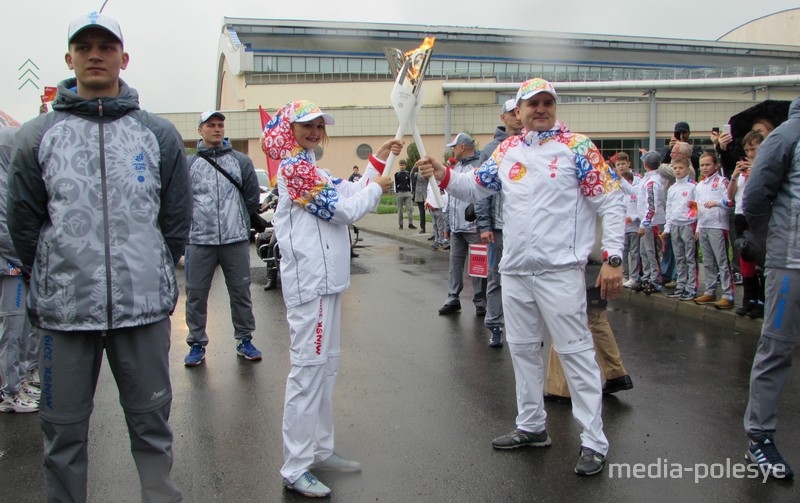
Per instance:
(553,303)
(308,406)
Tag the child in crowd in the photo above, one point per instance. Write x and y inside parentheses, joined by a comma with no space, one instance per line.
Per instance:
(631,262)
(311,222)
(680,228)
(651,208)
(438,217)
(752,274)
(712,231)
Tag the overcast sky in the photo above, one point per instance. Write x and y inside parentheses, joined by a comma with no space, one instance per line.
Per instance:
(173,43)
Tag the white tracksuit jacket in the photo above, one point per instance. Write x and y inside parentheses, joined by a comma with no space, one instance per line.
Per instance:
(554,183)
(678,199)
(714,188)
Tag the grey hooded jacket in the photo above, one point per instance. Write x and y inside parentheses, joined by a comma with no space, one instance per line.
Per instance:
(772,194)
(221,214)
(99,208)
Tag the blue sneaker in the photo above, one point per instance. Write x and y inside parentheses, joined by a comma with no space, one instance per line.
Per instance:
(764,453)
(196,355)
(246,349)
(496,337)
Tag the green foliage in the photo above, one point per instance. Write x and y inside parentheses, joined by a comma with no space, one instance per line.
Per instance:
(413,155)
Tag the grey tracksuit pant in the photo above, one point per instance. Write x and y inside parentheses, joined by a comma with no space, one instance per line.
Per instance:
(683,247)
(404,204)
(459,250)
(649,245)
(201,262)
(714,245)
(18,344)
(70,365)
(494,292)
(773,358)
(631,261)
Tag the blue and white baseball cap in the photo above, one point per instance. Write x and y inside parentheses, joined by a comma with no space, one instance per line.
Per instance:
(93,20)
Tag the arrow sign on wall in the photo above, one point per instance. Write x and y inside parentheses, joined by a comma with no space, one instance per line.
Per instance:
(28,74)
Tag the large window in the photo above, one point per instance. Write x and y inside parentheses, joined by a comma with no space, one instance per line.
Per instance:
(344,68)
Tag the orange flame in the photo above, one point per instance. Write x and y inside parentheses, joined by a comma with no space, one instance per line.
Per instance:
(417,56)
(426,44)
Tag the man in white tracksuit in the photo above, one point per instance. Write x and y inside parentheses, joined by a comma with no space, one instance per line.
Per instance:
(554,183)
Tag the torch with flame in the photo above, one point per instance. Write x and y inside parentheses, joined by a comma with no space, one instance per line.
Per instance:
(409,71)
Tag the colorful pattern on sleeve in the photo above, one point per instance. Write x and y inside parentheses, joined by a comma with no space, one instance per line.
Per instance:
(487,174)
(594,175)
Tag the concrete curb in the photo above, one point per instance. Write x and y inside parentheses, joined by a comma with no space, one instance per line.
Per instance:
(384,226)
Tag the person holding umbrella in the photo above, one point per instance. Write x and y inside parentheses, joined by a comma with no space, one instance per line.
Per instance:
(770,203)
(762,117)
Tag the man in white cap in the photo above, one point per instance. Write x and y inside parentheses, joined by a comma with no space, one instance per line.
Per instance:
(554,183)
(99,211)
(489,213)
(225,191)
(462,233)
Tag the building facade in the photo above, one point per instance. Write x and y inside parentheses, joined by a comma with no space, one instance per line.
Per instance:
(626,93)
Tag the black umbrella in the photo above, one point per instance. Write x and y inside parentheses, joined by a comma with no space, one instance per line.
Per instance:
(775,111)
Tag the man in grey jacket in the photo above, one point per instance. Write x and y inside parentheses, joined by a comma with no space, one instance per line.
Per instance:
(99,204)
(462,233)
(771,199)
(225,191)
(490,225)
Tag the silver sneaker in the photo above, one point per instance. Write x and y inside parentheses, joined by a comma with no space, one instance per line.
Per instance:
(33,378)
(17,403)
(308,486)
(335,462)
(30,390)
(521,438)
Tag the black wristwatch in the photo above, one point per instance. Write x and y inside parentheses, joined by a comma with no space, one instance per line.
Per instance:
(613,261)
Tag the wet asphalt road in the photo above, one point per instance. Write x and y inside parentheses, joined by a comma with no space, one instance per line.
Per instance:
(419,399)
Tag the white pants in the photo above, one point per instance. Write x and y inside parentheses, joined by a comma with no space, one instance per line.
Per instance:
(553,303)
(308,406)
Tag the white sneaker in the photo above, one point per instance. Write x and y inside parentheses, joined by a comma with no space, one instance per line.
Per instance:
(33,378)
(17,403)
(30,390)
(308,486)
(336,462)
(631,283)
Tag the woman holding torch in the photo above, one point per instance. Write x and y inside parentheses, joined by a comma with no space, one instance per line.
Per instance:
(311,222)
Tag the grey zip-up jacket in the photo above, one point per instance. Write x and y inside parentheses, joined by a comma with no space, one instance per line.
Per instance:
(99,207)
(489,210)
(455,207)
(772,194)
(221,214)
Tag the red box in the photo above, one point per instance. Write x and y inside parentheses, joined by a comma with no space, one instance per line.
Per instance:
(479,260)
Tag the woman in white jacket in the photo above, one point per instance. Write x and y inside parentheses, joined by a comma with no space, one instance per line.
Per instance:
(311,219)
